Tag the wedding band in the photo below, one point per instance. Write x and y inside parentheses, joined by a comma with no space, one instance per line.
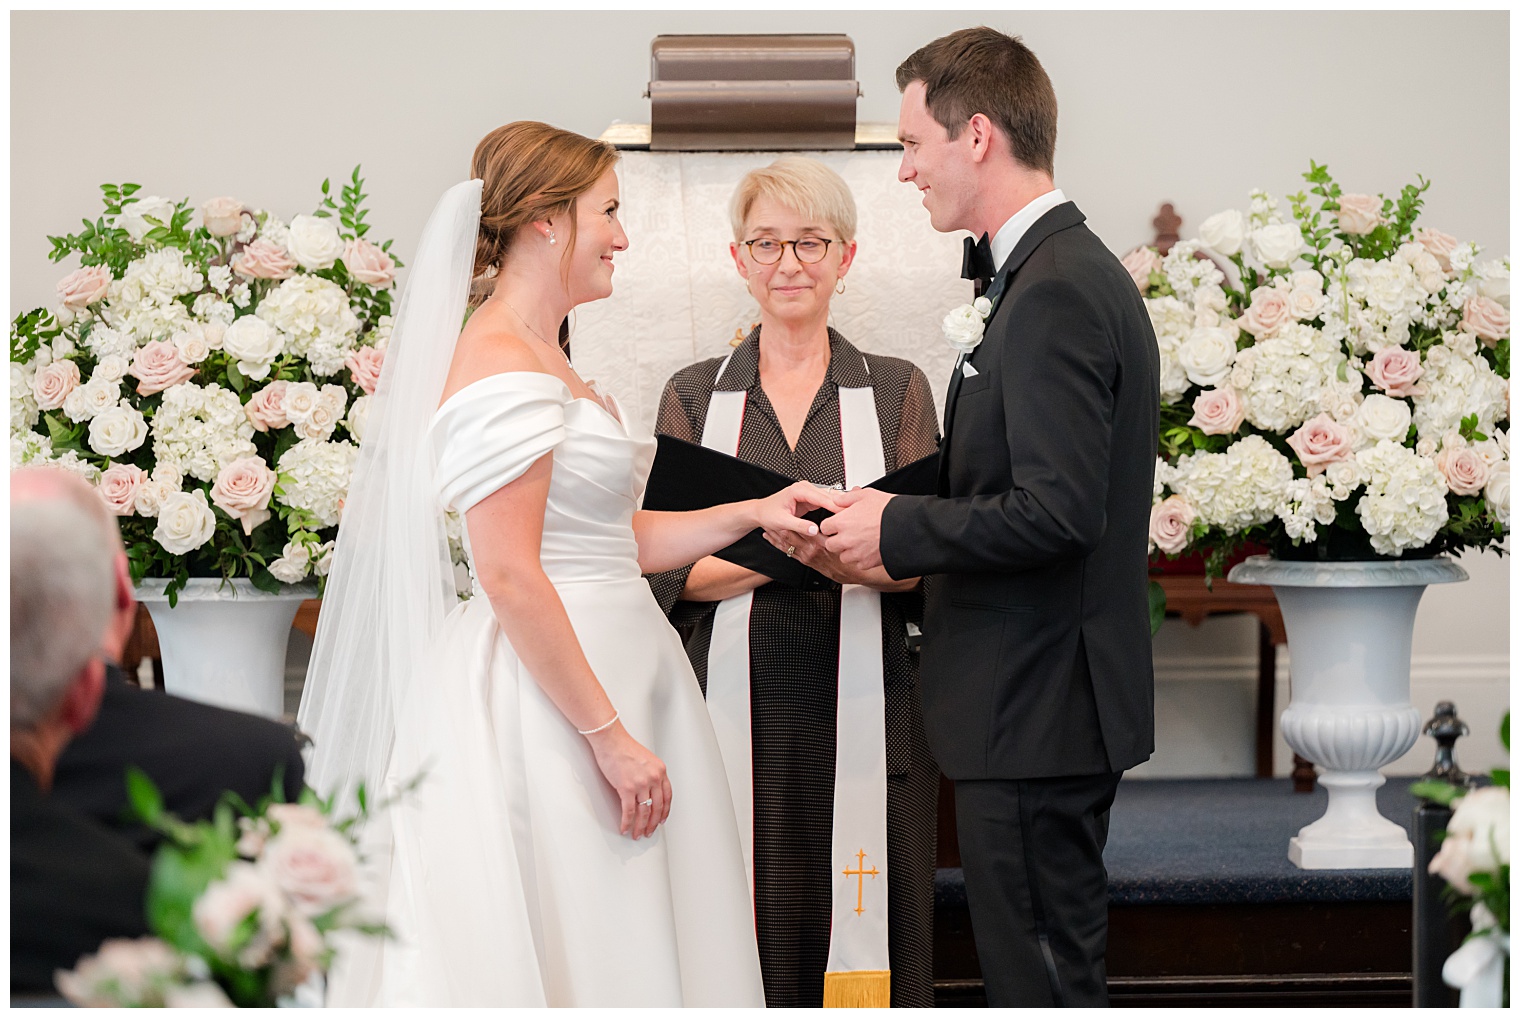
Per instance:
(790,549)
(647,802)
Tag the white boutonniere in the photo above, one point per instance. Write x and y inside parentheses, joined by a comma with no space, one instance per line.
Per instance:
(963,326)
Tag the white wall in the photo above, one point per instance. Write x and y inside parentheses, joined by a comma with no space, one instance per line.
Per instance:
(1193,108)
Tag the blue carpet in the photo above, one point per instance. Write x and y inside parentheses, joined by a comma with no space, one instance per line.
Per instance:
(1195,842)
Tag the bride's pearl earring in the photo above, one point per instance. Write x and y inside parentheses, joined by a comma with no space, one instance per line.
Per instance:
(551,238)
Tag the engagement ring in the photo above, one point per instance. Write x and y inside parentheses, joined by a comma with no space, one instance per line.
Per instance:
(790,549)
(647,802)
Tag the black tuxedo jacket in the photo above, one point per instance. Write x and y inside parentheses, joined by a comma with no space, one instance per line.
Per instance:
(1036,658)
(193,752)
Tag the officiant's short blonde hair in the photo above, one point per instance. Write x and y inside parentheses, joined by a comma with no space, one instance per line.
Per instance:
(799,183)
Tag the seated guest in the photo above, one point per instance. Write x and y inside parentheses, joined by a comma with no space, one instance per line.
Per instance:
(800,399)
(193,752)
(74,882)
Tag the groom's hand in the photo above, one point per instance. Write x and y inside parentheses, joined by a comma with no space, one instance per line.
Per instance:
(853,533)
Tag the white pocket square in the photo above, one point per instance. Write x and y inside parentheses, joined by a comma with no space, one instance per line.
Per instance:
(968,370)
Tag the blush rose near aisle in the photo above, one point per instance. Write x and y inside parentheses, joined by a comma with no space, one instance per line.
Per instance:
(1334,386)
(210,371)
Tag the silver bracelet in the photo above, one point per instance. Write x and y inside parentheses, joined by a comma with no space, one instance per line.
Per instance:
(600,728)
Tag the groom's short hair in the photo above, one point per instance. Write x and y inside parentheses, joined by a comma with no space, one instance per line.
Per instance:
(981,70)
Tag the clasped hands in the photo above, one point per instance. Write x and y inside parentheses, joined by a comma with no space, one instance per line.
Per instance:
(846,547)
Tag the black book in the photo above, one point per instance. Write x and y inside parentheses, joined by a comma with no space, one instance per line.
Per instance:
(687,476)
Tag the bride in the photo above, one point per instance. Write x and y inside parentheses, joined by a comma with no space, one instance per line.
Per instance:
(571,841)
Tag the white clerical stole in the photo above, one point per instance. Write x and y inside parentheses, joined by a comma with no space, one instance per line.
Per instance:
(858,972)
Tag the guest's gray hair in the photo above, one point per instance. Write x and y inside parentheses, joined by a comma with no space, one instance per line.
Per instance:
(63,589)
(799,183)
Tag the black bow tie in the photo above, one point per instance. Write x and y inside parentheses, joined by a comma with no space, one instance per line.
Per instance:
(977,263)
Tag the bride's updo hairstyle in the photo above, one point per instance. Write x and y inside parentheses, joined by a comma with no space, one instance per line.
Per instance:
(530,172)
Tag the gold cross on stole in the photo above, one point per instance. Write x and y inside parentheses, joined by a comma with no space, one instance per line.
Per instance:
(860,873)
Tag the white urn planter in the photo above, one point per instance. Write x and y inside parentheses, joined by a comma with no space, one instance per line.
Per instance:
(1350,626)
(224,641)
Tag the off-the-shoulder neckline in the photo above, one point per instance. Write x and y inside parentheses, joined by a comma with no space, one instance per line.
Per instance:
(510,375)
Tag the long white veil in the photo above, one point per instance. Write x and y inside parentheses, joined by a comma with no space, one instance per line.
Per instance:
(391,583)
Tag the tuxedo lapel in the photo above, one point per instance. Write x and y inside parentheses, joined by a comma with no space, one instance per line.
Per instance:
(1062,217)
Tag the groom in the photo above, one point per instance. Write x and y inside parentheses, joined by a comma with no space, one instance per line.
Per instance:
(1036,663)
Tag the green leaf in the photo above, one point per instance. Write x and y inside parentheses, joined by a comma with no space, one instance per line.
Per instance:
(1157,607)
(1500,776)
(326,186)
(1437,791)
(146,800)
(1504,731)
(235,378)
(265,581)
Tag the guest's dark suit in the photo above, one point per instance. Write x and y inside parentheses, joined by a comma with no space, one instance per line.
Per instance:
(1036,664)
(193,752)
(74,883)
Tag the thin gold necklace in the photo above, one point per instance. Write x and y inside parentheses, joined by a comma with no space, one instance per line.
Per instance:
(535,332)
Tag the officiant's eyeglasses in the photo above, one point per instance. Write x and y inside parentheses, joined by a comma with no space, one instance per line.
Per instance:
(808,250)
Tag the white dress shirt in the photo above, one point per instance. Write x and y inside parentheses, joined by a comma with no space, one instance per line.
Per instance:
(1018,224)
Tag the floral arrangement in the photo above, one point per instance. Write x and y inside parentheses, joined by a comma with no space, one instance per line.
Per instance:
(243,907)
(1474,862)
(210,371)
(1334,384)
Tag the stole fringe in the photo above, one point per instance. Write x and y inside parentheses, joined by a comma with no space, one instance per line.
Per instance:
(864,988)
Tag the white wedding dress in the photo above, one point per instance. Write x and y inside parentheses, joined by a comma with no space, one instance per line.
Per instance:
(509,883)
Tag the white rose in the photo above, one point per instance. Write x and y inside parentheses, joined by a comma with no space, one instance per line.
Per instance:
(1382,418)
(227,903)
(1477,838)
(94,397)
(135,214)
(1207,356)
(1224,232)
(1496,494)
(963,326)
(288,571)
(255,344)
(185,522)
(223,216)
(358,417)
(117,430)
(112,368)
(1277,244)
(191,343)
(314,242)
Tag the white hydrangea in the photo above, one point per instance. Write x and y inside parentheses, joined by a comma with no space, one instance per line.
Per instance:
(1263,208)
(1309,504)
(314,477)
(1186,273)
(220,277)
(1374,302)
(200,429)
(27,446)
(72,462)
(1405,502)
(1172,322)
(315,316)
(1235,489)
(104,341)
(144,300)
(1281,379)
(208,308)
(23,403)
(1458,383)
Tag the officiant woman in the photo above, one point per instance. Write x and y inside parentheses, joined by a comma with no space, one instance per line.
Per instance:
(797,677)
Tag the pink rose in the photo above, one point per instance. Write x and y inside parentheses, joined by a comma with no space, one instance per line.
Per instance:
(1360,214)
(1140,263)
(1437,243)
(1321,442)
(118,485)
(1218,411)
(53,383)
(1269,311)
(316,867)
(1172,524)
(242,491)
(264,259)
(1484,318)
(1395,370)
(364,364)
(83,287)
(267,407)
(368,264)
(223,216)
(1465,469)
(157,366)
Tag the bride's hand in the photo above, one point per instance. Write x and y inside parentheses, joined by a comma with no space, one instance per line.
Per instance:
(781,513)
(637,776)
